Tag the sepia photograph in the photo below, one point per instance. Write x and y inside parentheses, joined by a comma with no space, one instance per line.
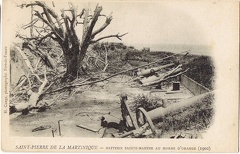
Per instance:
(115,76)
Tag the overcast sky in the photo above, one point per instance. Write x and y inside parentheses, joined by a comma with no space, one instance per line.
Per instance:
(150,23)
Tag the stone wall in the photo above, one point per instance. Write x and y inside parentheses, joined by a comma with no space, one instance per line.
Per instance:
(193,86)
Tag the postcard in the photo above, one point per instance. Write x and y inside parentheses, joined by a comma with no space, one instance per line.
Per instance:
(120,76)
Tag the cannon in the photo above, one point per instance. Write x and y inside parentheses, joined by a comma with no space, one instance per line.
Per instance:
(150,71)
(144,117)
(159,78)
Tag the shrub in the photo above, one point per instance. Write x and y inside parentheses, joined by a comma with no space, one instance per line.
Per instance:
(145,102)
(202,71)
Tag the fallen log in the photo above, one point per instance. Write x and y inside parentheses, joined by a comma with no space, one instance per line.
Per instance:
(33,99)
(35,96)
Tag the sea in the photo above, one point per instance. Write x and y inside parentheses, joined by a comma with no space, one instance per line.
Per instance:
(177,48)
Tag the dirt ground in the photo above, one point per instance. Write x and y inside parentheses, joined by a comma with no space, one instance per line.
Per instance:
(85,106)
(80,108)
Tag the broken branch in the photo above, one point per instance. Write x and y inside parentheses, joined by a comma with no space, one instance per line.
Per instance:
(107,22)
(46,36)
(109,36)
(30,24)
(25,58)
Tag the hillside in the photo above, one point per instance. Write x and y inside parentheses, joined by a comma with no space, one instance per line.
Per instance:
(95,94)
(201,67)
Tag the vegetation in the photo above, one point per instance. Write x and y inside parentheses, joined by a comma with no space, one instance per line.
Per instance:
(146,102)
(197,117)
(202,71)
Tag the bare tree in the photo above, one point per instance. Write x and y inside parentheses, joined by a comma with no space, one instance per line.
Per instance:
(62,29)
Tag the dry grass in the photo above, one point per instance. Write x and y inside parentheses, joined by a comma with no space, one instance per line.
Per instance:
(197,117)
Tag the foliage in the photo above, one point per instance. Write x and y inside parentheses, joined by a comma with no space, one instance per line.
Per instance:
(202,71)
(116,55)
(146,102)
(197,117)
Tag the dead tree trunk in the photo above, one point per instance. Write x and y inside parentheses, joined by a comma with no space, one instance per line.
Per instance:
(63,30)
(72,64)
